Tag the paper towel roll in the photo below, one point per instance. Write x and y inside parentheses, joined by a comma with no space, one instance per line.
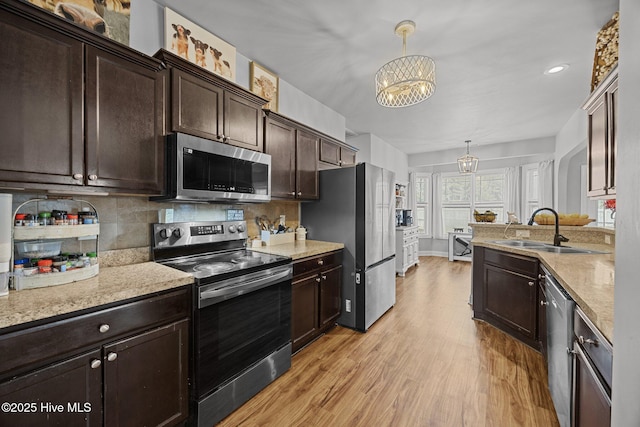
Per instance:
(6,221)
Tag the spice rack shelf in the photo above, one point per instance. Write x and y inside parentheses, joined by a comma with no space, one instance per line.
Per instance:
(78,232)
(55,232)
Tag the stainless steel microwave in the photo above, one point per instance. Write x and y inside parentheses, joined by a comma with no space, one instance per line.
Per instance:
(200,170)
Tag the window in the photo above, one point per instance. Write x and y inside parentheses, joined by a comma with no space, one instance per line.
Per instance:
(423,197)
(462,194)
(530,191)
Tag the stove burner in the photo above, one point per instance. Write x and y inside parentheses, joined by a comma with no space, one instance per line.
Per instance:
(214,268)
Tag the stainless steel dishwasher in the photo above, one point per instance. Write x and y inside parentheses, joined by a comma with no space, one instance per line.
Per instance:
(559,345)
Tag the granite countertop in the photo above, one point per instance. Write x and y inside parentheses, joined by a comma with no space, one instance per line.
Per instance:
(111,285)
(588,278)
(300,248)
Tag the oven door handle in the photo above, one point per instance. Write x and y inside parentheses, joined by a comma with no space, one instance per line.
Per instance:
(242,285)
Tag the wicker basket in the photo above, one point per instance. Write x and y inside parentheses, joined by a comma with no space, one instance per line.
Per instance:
(485,217)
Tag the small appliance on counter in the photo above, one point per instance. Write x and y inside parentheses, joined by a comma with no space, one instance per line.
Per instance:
(406,220)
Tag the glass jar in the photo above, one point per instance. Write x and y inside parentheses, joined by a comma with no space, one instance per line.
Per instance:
(44,218)
(85,261)
(20,219)
(93,258)
(73,219)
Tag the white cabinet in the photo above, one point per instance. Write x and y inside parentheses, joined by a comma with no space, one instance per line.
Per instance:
(460,246)
(406,248)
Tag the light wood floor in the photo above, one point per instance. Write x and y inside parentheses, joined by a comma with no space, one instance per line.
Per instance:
(424,363)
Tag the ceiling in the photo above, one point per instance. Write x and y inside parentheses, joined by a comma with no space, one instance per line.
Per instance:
(490,60)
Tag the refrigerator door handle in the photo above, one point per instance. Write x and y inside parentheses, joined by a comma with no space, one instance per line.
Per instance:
(357,278)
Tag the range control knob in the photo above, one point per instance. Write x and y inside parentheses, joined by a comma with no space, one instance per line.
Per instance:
(177,233)
(231,229)
(240,228)
(164,233)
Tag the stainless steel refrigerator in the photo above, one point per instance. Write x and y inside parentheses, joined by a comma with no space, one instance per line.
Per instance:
(356,207)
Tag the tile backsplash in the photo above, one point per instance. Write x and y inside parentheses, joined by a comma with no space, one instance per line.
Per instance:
(125,221)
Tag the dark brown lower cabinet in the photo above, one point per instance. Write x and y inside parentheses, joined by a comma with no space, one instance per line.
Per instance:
(316,297)
(120,366)
(145,378)
(592,405)
(505,293)
(68,393)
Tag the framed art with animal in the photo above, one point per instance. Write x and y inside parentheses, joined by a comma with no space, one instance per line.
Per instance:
(195,44)
(107,17)
(264,83)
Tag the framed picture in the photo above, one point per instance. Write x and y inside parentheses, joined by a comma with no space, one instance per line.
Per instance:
(265,84)
(193,43)
(107,17)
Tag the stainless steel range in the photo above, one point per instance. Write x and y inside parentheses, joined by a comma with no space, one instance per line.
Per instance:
(242,312)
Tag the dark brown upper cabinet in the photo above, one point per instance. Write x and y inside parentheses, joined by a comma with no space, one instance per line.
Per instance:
(206,105)
(78,110)
(335,154)
(294,158)
(602,138)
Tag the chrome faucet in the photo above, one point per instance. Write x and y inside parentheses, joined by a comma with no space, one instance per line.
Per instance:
(557,237)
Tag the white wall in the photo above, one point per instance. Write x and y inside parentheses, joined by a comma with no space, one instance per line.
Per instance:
(147,36)
(626,340)
(374,150)
(571,143)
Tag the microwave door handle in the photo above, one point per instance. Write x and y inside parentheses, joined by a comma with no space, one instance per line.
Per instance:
(240,287)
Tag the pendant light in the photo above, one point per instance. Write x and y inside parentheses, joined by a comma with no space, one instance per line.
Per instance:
(407,80)
(467,163)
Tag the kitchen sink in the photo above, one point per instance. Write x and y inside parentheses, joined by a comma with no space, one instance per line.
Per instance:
(518,243)
(545,247)
(565,250)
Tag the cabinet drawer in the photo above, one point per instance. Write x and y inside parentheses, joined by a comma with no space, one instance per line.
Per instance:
(39,344)
(512,262)
(323,261)
(595,345)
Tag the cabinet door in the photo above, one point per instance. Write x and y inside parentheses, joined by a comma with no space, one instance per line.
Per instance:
(41,113)
(124,124)
(330,291)
(329,152)
(306,165)
(511,298)
(304,311)
(416,255)
(145,378)
(65,394)
(242,122)
(591,403)
(597,148)
(347,157)
(613,138)
(280,143)
(196,106)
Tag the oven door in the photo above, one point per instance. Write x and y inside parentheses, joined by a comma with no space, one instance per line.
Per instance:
(239,322)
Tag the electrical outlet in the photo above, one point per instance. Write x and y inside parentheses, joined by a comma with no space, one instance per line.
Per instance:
(607,239)
(347,305)
(523,233)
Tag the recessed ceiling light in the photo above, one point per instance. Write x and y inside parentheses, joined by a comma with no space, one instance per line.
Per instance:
(556,69)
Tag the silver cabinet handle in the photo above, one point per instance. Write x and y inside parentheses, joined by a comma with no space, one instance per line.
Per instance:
(541,276)
(93,177)
(103,328)
(299,193)
(324,277)
(95,364)
(543,303)
(293,193)
(112,356)
(318,279)
(532,283)
(78,176)
(320,262)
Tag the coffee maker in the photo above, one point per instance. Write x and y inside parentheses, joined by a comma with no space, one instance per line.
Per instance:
(406,219)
